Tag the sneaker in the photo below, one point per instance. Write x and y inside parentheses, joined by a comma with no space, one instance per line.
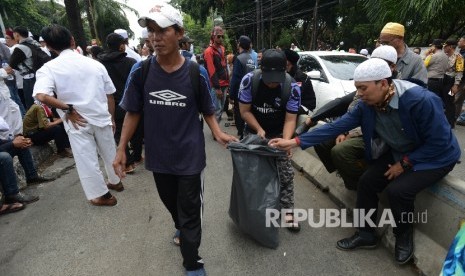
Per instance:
(21,198)
(66,153)
(39,179)
(197,272)
(460,123)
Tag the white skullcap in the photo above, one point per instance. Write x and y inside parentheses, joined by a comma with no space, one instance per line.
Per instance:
(122,32)
(364,52)
(372,69)
(145,33)
(385,52)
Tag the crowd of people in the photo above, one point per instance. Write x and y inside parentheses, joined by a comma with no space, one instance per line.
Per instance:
(98,103)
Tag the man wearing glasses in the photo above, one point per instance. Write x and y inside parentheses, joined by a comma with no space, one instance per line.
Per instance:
(409,65)
(217,69)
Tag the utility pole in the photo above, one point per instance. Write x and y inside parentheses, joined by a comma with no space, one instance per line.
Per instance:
(262,40)
(271,19)
(258,23)
(315,26)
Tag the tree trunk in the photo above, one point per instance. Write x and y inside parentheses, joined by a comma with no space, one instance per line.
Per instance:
(90,18)
(75,22)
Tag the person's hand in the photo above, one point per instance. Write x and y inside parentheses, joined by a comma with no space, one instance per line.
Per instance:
(261,132)
(454,89)
(9,70)
(341,138)
(289,154)
(21,142)
(282,144)
(119,164)
(394,171)
(308,121)
(76,119)
(224,138)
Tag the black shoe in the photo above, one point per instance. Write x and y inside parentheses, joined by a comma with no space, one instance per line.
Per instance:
(21,198)
(404,247)
(39,179)
(356,241)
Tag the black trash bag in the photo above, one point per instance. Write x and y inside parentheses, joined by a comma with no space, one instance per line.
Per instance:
(255,188)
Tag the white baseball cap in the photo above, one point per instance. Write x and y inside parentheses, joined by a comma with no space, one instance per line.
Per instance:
(121,32)
(164,15)
(372,69)
(385,52)
(145,33)
(364,52)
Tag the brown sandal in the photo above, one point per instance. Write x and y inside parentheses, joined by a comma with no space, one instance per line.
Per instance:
(11,208)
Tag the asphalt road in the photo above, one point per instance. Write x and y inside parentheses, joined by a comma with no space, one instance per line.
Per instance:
(62,234)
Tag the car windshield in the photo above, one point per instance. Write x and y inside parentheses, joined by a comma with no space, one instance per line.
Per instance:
(342,67)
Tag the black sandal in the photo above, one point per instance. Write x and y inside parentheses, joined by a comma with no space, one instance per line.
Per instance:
(294,226)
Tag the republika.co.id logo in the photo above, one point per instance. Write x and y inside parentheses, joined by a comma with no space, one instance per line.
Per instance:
(168,98)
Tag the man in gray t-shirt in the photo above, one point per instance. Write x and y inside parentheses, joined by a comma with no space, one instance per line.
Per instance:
(409,64)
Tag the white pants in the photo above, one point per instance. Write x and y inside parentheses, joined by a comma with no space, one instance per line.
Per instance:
(87,143)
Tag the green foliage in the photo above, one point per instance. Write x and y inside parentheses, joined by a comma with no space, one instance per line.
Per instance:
(25,13)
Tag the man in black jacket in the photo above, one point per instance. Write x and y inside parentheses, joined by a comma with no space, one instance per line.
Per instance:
(308,100)
(118,66)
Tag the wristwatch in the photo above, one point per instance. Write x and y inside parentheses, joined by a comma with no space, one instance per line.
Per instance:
(405,164)
(69,109)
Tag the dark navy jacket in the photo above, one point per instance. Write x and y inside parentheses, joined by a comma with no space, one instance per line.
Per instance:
(423,120)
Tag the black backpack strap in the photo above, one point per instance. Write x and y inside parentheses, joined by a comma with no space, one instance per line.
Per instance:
(286,89)
(145,70)
(255,82)
(194,73)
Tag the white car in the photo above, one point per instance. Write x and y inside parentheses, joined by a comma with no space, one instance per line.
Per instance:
(331,73)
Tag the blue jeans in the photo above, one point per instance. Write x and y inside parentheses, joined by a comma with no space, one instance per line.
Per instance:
(219,101)
(7,175)
(26,161)
(15,96)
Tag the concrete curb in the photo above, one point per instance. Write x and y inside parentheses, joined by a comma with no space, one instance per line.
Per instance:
(444,204)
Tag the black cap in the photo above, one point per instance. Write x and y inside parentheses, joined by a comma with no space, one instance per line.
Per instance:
(244,42)
(450,42)
(185,39)
(114,41)
(273,65)
(292,56)
(437,42)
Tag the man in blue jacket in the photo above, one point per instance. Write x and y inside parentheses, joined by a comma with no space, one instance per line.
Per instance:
(409,144)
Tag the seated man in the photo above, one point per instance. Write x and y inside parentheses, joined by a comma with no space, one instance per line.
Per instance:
(9,183)
(40,125)
(8,178)
(409,146)
(13,142)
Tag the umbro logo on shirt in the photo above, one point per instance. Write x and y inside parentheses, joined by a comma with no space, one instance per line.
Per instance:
(167,97)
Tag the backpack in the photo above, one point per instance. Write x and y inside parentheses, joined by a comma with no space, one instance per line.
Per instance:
(39,57)
(285,89)
(194,73)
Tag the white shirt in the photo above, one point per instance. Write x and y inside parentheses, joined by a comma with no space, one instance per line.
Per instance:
(132,54)
(80,81)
